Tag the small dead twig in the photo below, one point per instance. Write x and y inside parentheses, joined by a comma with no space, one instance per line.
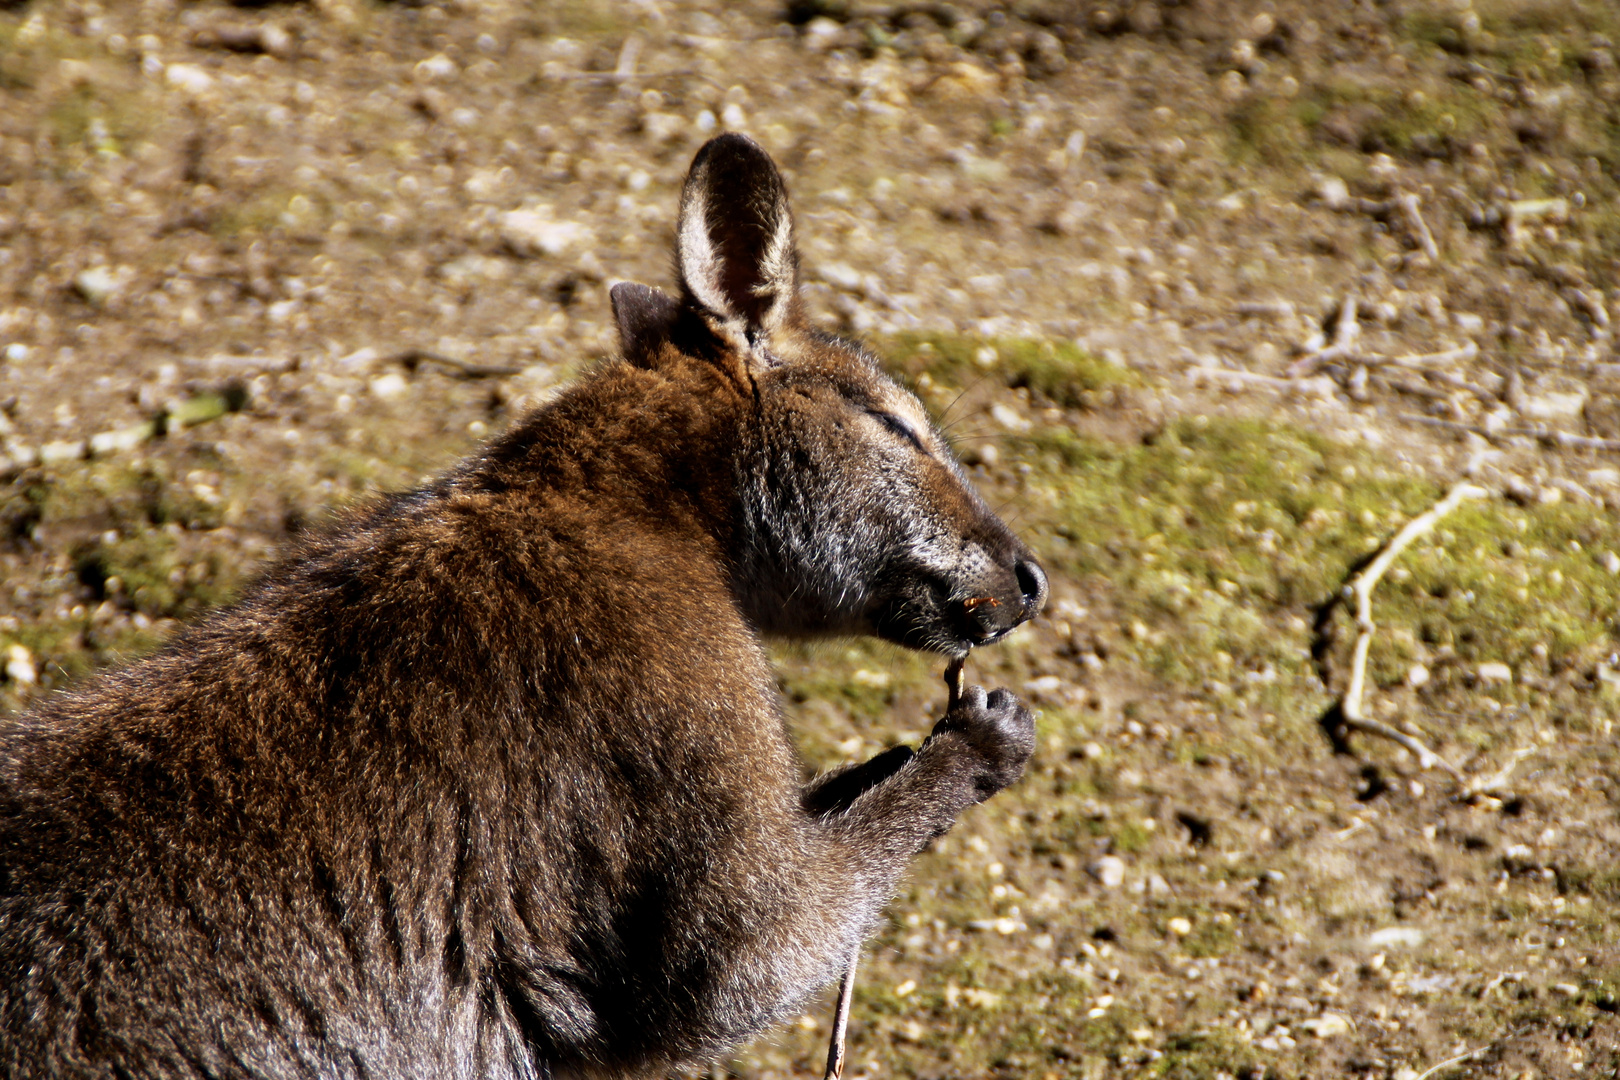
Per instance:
(1449,1062)
(411,359)
(1497,781)
(1345,334)
(1562,439)
(1234,379)
(1361,588)
(846,988)
(1411,209)
(1478,1050)
(1445,356)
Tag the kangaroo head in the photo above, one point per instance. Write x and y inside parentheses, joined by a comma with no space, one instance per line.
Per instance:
(851,513)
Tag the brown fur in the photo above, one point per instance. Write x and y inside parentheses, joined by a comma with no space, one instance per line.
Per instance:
(491,780)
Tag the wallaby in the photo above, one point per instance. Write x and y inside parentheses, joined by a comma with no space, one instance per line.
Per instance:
(491,779)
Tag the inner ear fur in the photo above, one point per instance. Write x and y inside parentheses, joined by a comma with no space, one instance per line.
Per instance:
(735,246)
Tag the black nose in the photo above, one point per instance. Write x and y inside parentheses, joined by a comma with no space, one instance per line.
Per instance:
(1032,583)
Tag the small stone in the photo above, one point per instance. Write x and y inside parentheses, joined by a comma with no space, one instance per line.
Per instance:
(1157,886)
(98,284)
(1109,871)
(20,665)
(1179,926)
(1417,675)
(1408,936)
(533,232)
(438,66)
(391,385)
(188,77)
(966,81)
(1611,562)
(1495,672)
(1327,1025)
(1009,418)
(17,352)
(823,34)
(662,126)
(121,439)
(62,450)
(1603,476)
(1333,191)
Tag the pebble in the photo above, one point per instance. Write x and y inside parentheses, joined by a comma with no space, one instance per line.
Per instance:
(1334,192)
(188,77)
(1611,562)
(391,385)
(20,665)
(1109,871)
(534,232)
(62,450)
(1327,1025)
(1009,418)
(1179,926)
(1395,935)
(99,284)
(1495,672)
(438,66)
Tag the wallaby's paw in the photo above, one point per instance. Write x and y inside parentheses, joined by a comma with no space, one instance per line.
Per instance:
(1000,731)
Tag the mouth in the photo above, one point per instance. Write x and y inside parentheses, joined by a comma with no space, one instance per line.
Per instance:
(941,623)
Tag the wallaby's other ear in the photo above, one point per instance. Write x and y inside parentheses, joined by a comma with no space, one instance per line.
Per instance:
(735,244)
(646,319)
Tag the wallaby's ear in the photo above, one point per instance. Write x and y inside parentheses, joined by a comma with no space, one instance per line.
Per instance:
(735,244)
(646,319)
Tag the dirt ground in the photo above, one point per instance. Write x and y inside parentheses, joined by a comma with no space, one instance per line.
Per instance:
(1213,296)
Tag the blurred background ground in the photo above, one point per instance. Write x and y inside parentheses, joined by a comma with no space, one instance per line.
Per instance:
(1213,296)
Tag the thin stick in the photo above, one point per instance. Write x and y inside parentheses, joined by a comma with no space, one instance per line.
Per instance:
(1345,334)
(846,988)
(1478,1050)
(1497,781)
(1446,356)
(412,358)
(1234,378)
(1557,438)
(954,681)
(840,1028)
(1362,589)
(1414,219)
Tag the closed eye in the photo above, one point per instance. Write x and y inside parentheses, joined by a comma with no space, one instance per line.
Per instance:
(902,427)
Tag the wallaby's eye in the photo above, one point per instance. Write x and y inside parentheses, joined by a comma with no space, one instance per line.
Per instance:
(902,427)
